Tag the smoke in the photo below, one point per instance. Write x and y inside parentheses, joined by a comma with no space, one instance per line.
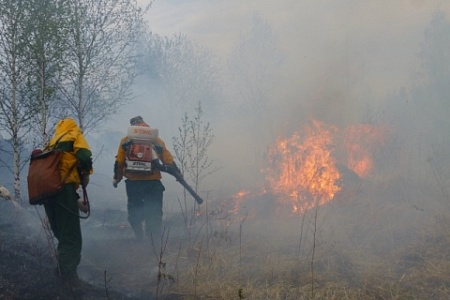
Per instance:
(341,62)
(344,63)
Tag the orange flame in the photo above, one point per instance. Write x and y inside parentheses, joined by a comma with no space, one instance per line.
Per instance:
(302,169)
(238,198)
(359,144)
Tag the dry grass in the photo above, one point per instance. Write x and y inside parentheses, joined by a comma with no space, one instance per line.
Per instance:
(269,275)
(371,245)
(367,248)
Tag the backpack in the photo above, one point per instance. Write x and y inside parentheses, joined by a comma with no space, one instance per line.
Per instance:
(44,179)
(139,150)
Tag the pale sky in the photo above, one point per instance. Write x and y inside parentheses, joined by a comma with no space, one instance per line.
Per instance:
(389,32)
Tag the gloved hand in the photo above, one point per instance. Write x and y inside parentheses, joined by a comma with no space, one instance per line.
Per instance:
(115,182)
(81,206)
(85,180)
(158,148)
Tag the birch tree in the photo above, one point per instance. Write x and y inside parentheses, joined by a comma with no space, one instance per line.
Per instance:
(46,43)
(62,58)
(100,59)
(15,106)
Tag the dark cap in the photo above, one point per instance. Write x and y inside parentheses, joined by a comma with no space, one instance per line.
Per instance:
(136,120)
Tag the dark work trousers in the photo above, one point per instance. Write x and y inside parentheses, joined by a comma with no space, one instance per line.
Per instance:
(62,214)
(145,199)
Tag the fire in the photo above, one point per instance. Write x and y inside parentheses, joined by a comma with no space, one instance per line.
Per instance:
(301,169)
(359,143)
(238,198)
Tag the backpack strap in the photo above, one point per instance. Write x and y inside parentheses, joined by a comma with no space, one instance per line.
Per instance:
(53,149)
(47,148)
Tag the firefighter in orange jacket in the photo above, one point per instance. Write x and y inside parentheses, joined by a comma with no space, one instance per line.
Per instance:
(144,190)
(62,210)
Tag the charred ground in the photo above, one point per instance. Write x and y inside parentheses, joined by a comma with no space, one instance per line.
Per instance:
(27,266)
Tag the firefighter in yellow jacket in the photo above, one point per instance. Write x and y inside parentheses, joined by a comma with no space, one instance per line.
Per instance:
(144,189)
(63,209)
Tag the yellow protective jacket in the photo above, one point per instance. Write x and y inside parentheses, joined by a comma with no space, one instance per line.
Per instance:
(119,166)
(77,156)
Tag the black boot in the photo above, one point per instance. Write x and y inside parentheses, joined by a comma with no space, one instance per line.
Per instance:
(71,285)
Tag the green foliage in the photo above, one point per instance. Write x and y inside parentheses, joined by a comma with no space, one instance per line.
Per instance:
(241,293)
(46,43)
(62,58)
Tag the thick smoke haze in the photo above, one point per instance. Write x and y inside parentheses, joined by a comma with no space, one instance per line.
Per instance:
(337,61)
(380,39)
(341,62)
(373,74)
